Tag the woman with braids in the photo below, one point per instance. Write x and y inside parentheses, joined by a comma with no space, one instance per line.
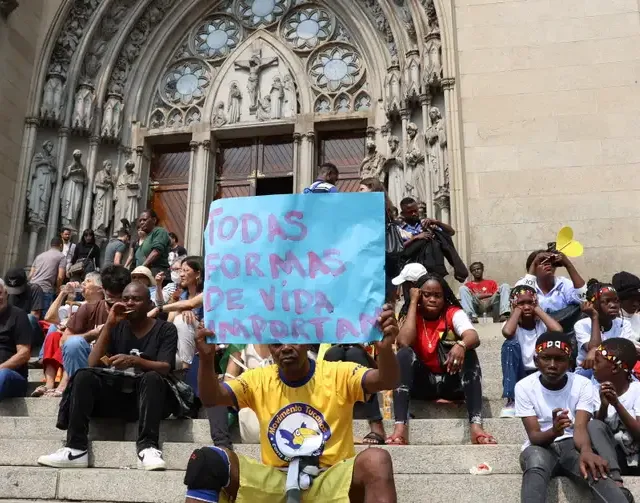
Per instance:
(603,322)
(617,403)
(526,323)
(437,358)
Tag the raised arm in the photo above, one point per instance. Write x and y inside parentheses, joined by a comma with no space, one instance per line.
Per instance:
(510,327)
(577,280)
(52,314)
(176,307)
(549,322)
(387,375)
(211,390)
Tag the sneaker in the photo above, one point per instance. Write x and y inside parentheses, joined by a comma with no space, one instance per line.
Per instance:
(508,411)
(474,320)
(66,458)
(150,459)
(627,495)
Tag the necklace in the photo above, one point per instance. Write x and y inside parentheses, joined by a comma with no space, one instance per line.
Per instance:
(431,341)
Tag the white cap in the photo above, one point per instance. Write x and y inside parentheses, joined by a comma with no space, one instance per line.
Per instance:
(410,272)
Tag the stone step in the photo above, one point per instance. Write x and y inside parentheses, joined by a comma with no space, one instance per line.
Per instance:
(410,459)
(422,431)
(128,486)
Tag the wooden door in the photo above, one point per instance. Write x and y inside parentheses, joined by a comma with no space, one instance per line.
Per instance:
(169,182)
(345,149)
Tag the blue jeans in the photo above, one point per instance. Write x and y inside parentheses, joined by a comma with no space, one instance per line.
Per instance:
(512,367)
(588,373)
(470,302)
(75,354)
(47,300)
(12,384)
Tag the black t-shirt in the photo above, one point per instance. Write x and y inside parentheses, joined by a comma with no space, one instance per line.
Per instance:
(180,251)
(15,329)
(159,344)
(29,300)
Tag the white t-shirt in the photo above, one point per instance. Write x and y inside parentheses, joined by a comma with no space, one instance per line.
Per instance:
(534,400)
(619,328)
(527,340)
(630,400)
(461,323)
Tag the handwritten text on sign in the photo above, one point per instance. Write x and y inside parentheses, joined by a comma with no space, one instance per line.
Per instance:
(295,268)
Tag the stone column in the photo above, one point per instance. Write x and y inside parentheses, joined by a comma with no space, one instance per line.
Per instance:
(425,103)
(92,159)
(296,159)
(455,197)
(404,114)
(54,213)
(196,199)
(193,158)
(34,230)
(307,161)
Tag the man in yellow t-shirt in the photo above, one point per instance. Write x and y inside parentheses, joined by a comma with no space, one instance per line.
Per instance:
(305,410)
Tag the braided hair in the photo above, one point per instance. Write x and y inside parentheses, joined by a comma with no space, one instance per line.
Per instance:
(595,289)
(622,352)
(519,290)
(450,298)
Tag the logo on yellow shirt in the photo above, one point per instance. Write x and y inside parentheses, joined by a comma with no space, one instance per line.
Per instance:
(298,430)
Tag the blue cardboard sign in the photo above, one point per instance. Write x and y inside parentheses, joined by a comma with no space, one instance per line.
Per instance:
(301,268)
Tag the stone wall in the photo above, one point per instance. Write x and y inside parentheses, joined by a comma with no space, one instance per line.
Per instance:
(551,118)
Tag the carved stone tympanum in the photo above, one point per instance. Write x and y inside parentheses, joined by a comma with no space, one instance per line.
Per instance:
(254,65)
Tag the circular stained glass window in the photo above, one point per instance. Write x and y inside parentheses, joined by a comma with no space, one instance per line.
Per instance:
(257,13)
(217,37)
(306,28)
(185,83)
(335,68)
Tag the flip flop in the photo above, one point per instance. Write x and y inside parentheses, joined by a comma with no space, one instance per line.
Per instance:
(373,438)
(39,391)
(484,439)
(396,440)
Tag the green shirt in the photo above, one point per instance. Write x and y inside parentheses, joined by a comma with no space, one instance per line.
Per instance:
(158,239)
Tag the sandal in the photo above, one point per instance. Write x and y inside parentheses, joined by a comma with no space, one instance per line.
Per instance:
(483,439)
(396,440)
(373,438)
(39,391)
(53,393)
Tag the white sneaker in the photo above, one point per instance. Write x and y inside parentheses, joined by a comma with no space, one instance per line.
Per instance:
(66,458)
(150,459)
(509,411)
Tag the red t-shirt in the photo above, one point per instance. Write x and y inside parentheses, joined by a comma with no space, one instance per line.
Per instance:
(484,286)
(429,334)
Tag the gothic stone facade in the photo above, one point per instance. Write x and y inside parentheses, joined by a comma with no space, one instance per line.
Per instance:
(507,119)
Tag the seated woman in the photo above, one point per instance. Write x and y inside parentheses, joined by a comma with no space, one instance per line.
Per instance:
(526,323)
(357,353)
(558,296)
(172,290)
(437,357)
(603,310)
(142,274)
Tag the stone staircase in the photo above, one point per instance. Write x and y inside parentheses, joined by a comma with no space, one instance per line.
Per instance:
(434,469)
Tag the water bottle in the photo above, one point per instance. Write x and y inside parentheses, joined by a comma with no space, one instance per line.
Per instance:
(485,320)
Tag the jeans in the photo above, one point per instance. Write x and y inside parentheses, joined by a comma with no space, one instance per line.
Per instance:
(12,384)
(101,395)
(356,354)
(588,373)
(540,464)
(47,300)
(37,339)
(417,381)
(75,354)
(471,304)
(512,367)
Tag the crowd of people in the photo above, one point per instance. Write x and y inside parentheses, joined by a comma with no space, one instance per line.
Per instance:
(121,335)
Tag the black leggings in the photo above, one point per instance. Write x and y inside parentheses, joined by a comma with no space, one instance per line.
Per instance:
(356,354)
(417,381)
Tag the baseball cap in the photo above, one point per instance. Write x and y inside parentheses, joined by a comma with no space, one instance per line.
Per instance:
(16,281)
(410,272)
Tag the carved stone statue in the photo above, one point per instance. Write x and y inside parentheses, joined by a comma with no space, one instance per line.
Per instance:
(103,201)
(277,96)
(438,155)
(235,97)
(393,92)
(432,74)
(219,118)
(395,168)
(264,109)
(112,118)
(127,195)
(75,178)
(83,107)
(372,166)
(254,65)
(290,108)
(42,177)
(52,98)
(415,179)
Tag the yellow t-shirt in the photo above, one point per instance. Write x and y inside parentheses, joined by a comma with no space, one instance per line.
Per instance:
(312,417)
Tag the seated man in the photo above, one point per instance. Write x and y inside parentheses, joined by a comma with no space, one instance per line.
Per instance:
(305,411)
(28,297)
(556,407)
(133,387)
(484,294)
(15,348)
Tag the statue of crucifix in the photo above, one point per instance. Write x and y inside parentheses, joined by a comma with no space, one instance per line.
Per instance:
(254,66)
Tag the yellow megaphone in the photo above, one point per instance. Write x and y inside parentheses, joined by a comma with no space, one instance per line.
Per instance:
(567,245)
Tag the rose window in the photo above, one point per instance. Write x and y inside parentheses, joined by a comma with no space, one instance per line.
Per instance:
(307,27)
(257,13)
(186,82)
(335,68)
(217,37)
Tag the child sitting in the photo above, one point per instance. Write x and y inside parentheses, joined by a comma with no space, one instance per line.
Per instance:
(527,322)
(603,309)
(556,407)
(618,403)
